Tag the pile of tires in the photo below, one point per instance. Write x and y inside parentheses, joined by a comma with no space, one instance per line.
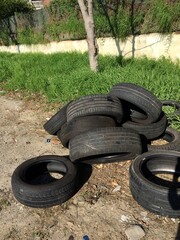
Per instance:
(102,128)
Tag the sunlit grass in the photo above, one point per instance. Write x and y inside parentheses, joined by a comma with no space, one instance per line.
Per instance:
(63,77)
(66,76)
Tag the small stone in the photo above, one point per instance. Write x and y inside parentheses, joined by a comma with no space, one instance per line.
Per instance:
(135,232)
(99,166)
(144,216)
(114,183)
(70,224)
(124,218)
(117,189)
(75,201)
(94,187)
(173,220)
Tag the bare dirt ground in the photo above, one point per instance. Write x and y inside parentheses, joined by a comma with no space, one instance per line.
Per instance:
(103,209)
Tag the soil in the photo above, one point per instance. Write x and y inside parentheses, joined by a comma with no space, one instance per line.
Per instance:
(104,207)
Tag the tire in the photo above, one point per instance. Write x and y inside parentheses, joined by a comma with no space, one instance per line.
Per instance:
(104,142)
(172,103)
(151,130)
(158,195)
(83,124)
(54,124)
(95,105)
(108,159)
(139,99)
(33,185)
(172,136)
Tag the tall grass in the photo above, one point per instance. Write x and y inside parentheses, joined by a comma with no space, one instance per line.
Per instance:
(66,76)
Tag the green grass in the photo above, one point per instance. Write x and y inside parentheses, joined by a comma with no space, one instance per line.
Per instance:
(173,118)
(66,76)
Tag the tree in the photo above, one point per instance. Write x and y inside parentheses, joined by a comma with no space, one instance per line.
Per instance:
(8,23)
(86,7)
(9,7)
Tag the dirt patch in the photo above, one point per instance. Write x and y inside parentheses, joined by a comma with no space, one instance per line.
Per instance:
(102,209)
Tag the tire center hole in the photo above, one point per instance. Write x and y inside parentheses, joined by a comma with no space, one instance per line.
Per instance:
(159,142)
(168,177)
(167,138)
(162,171)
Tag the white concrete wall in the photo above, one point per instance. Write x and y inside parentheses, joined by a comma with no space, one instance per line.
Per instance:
(150,45)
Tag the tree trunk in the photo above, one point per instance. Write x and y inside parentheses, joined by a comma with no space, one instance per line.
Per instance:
(87,13)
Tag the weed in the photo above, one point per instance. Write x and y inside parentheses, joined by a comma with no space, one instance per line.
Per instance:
(3,203)
(173,118)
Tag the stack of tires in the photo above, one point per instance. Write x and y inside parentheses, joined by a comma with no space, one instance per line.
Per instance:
(105,128)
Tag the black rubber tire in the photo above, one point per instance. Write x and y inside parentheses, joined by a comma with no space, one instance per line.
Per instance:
(33,185)
(95,105)
(155,194)
(105,142)
(136,97)
(54,124)
(83,124)
(172,136)
(108,158)
(151,130)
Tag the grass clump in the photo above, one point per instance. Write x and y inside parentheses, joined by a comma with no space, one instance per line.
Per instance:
(173,116)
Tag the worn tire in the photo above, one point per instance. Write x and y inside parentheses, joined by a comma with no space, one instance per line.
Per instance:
(154,193)
(105,142)
(95,105)
(151,130)
(54,124)
(33,185)
(172,136)
(108,158)
(136,97)
(83,124)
